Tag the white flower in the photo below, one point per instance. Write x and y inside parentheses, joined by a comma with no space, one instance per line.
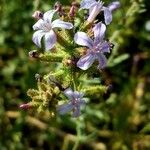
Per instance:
(45,27)
(96,7)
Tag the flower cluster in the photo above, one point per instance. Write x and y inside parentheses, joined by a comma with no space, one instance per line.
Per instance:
(90,35)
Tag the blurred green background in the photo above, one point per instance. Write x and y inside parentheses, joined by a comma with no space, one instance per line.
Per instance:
(119,120)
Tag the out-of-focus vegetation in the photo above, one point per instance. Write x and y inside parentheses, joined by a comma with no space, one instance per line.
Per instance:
(119,121)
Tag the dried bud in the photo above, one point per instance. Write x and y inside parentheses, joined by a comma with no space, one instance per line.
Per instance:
(57,83)
(38,77)
(25,106)
(34,54)
(37,15)
(70,62)
(72,11)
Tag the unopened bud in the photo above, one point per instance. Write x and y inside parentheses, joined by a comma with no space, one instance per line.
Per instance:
(25,106)
(59,9)
(72,11)
(37,15)
(58,6)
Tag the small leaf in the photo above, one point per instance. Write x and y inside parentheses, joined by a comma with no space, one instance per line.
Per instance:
(118,60)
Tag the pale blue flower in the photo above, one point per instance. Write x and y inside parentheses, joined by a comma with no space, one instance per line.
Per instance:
(75,101)
(45,27)
(95,7)
(96,47)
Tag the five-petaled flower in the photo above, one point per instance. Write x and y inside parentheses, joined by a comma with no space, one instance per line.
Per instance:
(75,101)
(45,27)
(96,7)
(96,47)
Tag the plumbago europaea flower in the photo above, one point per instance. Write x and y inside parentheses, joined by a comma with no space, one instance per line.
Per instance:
(75,102)
(96,47)
(95,7)
(66,73)
(45,27)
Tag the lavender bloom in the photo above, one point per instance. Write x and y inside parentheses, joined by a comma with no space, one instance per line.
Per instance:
(96,7)
(45,27)
(75,101)
(96,47)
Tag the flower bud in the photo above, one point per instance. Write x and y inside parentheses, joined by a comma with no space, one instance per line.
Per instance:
(58,6)
(37,15)
(59,9)
(25,106)
(73,9)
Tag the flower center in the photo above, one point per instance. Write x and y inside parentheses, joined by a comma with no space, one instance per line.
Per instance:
(97,48)
(75,101)
(47,26)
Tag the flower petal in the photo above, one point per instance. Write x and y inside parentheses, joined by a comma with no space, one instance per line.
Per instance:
(82,102)
(107,15)
(102,60)
(86,61)
(81,38)
(37,36)
(94,11)
(62,109)
(39,25)
(61,24)
(86,4)
(76,112)
(48,16)
(69,93)
(99,32)
(114,5)
(50,40)
(105,47)
(78,95)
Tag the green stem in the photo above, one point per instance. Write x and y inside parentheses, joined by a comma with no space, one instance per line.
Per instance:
(77,142)
(85,26)
(50,58)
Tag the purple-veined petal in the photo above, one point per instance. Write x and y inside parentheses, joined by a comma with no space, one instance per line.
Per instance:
(94,11)
(81,38)
(37,36)
(48,16)
(102,60)
(62,109)
(107,15)
(86,61)
(99,32)
(61,24)
(76,111)
(105,47)
(50,40)
(69,93)
(113,6)
(86,4)
(39,25)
